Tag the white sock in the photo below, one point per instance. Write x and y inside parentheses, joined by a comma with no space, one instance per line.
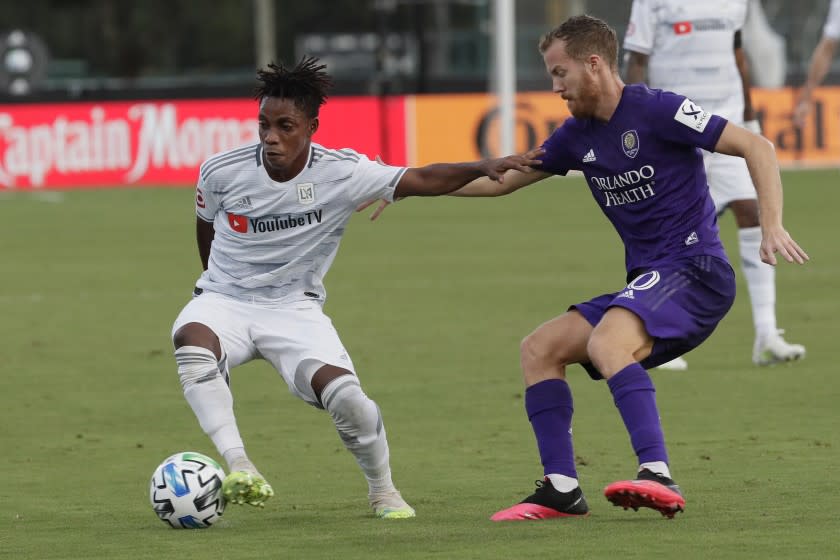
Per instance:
(657,467)
(562,483)
(359,424)
(761,281)
(209,397)
(237,460)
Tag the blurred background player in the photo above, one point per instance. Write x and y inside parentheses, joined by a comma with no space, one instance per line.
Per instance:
(270,217)
(638,149)
(694,48)
(820,63)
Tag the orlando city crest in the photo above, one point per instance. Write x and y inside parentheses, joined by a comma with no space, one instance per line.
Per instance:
(630,143)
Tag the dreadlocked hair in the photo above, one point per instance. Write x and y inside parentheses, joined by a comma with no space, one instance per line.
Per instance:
(306,84)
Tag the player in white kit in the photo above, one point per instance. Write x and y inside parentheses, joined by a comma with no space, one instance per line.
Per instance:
(820,63)
(270,217)
(694,48)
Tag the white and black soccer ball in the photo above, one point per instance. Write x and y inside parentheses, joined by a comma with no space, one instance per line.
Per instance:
(186,491)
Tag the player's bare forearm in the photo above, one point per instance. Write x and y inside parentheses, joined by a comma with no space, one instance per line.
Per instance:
(636,68)
(514,180)
(443,178)
(204,233)
(764,171)
(760,156)
(820,63)
(438,178)
(511,181)
(763,166)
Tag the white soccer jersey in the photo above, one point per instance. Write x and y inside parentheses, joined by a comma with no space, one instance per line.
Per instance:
(831,29)
(690,44)
(274,242)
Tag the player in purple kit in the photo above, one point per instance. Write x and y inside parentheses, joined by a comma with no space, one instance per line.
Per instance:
(639,151)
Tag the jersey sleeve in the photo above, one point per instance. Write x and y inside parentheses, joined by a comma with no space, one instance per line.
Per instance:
(831,29)
(557,158)
(640,28)
(678,119)
(206,203)
(372,180)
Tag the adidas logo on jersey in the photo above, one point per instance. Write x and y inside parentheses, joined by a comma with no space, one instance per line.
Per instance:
(589,157)
(626,294)
(692,239)
(243,203)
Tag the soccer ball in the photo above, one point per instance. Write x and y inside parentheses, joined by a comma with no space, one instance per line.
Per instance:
(186,491)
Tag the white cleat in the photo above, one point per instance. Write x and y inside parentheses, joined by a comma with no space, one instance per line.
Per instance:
(390,505)
(677,364)
(773,349)
(242,487)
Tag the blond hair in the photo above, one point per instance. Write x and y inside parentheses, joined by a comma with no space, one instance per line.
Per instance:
(584,35)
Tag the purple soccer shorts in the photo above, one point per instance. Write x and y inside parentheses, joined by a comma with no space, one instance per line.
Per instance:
(680,303)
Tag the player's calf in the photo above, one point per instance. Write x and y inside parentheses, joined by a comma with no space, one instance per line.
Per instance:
(359,424)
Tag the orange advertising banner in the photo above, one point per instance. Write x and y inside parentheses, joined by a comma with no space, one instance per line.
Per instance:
(817,143)
(466,126)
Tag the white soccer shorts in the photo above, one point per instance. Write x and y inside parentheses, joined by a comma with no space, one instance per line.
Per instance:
(729,179)
(293,338)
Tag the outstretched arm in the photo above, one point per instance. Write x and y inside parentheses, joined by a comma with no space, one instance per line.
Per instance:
(513,181)
(204,233)
(764,171)
(820,63)
(443,178)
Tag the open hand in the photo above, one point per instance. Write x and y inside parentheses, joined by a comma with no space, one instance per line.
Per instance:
(379,209)
(779,241)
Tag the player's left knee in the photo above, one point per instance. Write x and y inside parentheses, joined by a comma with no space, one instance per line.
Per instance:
(356,416)
(601,352)
(536,352)
(196,365)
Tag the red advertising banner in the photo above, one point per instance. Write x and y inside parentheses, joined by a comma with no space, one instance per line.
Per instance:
(110,144)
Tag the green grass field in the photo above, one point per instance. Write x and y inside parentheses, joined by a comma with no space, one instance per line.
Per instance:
(432,301)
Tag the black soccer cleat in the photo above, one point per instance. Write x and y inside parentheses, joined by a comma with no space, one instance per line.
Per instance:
(647,474)
(546,503)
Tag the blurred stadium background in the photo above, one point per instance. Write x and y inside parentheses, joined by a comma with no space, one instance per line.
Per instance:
(156,86)
(108,49)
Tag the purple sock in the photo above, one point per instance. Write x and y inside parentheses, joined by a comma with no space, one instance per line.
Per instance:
(549,408)
(635,397)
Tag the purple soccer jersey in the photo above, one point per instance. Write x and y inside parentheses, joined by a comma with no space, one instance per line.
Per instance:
(645,171)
